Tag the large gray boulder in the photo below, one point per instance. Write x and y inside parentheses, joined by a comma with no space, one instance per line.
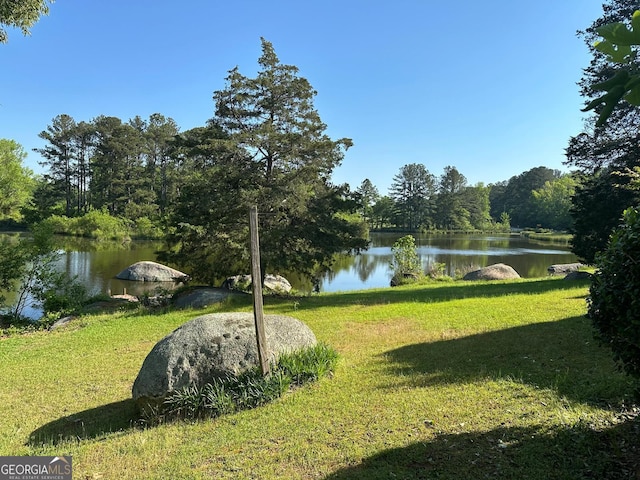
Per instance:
(147,271)
(498,271)
(213,346)
(274,283)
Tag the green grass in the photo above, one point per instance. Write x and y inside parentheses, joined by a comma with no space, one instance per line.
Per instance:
(552,237)
(448,380)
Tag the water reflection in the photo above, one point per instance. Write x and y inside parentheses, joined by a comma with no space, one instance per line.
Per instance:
(459,253)
(97,263)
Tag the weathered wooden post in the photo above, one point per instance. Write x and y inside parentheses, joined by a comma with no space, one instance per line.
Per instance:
(256,282)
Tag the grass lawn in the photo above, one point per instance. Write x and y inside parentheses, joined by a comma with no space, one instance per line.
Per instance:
(449,380)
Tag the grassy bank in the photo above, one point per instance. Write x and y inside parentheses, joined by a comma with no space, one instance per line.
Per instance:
(454,380)
(551,237)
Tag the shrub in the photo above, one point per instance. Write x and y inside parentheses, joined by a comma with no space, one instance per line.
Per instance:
(57,224)
(614,300)
(62,294)
(405,263)
(99,224)
(95,224)
(145,228)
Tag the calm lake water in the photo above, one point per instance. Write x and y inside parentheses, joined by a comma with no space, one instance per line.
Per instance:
(458,252)
(97,263)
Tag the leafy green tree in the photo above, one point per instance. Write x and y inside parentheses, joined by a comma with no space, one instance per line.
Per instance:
(22,14)
(29,267)
(12,264)
(619,47)
(413,190)
(382,212)
(44,202)
(450,212)
(612,304)
(16,181)
(552,203)
(505,222)
(497,199)
(517,199)
(273,153)
(475,200)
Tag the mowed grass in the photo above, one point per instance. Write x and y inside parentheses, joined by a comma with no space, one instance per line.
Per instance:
(448,380)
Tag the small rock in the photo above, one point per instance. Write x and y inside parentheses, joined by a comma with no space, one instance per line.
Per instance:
(578,276)
(274,283)
(61,322)
(564,268)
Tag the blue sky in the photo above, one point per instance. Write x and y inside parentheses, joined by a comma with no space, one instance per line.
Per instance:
(488,87)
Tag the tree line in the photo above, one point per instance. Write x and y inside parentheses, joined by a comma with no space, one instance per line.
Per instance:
(140,169)
(418,200)
(131,169)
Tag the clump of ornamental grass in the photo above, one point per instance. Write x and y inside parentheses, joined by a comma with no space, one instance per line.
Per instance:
(247,390)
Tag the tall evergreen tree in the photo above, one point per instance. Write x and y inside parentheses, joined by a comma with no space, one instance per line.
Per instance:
(369,195)
(83,142)
(59,155)
(117,165)
(413,190)
(280,159)
(161,167)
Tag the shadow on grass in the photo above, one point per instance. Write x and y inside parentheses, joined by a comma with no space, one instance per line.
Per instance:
(439,292)
(579,452)
(561,355)
(88,424)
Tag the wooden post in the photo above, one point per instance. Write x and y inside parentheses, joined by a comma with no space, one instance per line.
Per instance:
(256,282)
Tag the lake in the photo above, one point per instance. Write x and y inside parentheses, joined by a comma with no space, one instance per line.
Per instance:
(97,263)
(458,252)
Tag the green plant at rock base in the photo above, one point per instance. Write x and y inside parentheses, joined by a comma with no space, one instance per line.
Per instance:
(437,271)
(247,390)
